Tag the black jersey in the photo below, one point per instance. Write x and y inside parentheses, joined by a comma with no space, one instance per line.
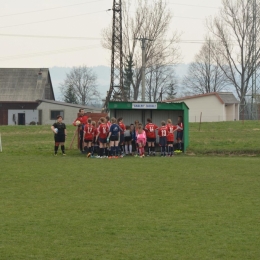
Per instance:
(61,128)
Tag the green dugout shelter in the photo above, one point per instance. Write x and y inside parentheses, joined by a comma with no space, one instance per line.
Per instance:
(131,111)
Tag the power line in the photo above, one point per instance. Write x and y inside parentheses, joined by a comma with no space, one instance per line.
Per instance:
(82,38)
(48,52)
(48,36)
(47,9)
(43,21)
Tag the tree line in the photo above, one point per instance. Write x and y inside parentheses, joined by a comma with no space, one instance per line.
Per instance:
(228,58)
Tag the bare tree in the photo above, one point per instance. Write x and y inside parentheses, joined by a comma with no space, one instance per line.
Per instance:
(82,80)
(204,74)
(150,19)
(235,49)
(161,83)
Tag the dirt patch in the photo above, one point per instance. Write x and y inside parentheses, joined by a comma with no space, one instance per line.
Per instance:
(190,153)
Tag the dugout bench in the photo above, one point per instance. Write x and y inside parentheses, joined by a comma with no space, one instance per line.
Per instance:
(131,111)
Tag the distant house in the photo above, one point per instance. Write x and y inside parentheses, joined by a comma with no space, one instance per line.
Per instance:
(211,107)
(19,90)
(27,97)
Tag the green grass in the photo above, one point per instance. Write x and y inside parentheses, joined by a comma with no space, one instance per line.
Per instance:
(228,138)
(187,207)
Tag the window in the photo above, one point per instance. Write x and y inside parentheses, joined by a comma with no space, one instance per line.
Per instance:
(55,113)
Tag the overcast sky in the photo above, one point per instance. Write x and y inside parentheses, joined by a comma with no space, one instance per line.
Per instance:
(82,18)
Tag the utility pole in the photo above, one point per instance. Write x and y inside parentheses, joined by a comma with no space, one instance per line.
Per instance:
(116,90)
(143,46)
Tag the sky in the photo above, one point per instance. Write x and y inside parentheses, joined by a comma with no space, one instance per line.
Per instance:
(67,33)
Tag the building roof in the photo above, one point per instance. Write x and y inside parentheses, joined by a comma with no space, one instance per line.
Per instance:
(68,104)
(228,98)
(223,97)
(25,84)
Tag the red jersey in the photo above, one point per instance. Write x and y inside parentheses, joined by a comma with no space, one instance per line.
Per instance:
(122,126)
(180,127)
(171,128)
(109,124)
(150,130)
(89,131)
(103,130)
(95,131)
(83,120)
(163,131)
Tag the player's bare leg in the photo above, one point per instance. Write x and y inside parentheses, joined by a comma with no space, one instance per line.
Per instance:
(153,148)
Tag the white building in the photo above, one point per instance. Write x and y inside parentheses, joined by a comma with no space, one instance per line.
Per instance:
(211,107)
(50,109)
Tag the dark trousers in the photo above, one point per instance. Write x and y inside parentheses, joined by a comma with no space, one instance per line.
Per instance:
(81,140)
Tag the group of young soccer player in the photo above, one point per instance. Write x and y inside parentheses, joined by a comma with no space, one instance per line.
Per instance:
(113,139)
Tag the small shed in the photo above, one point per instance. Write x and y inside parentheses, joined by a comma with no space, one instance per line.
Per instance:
(131,111)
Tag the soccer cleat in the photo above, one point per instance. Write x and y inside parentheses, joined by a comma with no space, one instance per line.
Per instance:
(64,154)
(98,157)
(55,154)
(136,155)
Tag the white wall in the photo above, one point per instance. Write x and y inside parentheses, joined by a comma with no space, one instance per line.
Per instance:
(70,113)
(230,112)
(210,106)
(30,115)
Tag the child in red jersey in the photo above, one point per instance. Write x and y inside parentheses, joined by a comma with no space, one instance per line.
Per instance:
(80,121)
(102,138)
(151,136)
(88,137)
(122,136)
(170,137)
(141,139)
(94,146)
(180,127)
(163,132)
(108,121)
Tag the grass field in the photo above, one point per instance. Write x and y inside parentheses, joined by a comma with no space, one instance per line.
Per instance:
(186,207)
